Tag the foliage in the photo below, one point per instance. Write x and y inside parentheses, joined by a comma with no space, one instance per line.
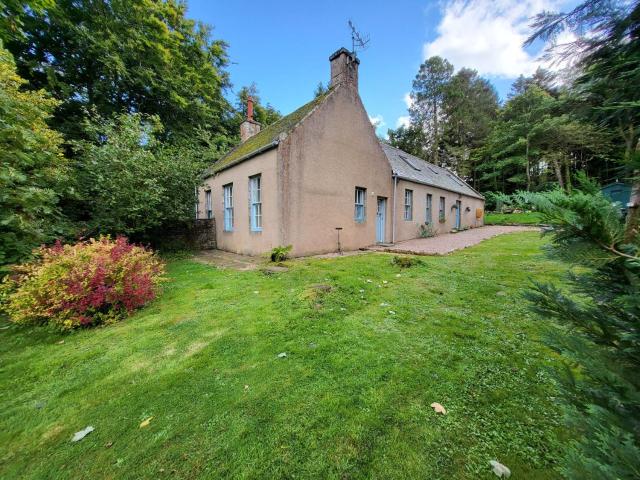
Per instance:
(211,340)
(321,90)
(601,308)
(428,96)
(411,139)
(280,253)
(89,283)
(426,231)
(33,172)
(405,261)
(264,115)
(132,183)
(123,55)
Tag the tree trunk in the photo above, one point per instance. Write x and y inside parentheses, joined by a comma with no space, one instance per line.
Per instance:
(558,169)
(567,174)
(526,154)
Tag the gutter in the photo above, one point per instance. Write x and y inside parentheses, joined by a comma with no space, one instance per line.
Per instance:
(393,213)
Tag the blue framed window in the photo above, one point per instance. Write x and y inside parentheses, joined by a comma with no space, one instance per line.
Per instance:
(408,204)
(207,203)
(427,214)
(255,203)
(441,213)
(228,207)
(360,211)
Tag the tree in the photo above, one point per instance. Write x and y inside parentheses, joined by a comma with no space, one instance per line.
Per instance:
(33,172)
(542,79)
(601,354)
(610,60)
(470,107)
(428,95)
(533,135)
(132,183)
(411,139)
(263,114)
(602,307)
(114,56)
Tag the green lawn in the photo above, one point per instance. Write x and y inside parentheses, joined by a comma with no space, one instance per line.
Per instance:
(524,218)
(350,400)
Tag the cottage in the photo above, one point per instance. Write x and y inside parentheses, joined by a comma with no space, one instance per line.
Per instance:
(321,172)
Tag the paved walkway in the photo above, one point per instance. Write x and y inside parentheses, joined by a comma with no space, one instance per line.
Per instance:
(221,259)
(449,242)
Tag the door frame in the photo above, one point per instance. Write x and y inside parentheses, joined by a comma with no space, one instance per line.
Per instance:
(458,214)
(381,219)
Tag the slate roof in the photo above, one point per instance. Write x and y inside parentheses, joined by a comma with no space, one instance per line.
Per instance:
(267,138)
(414,169)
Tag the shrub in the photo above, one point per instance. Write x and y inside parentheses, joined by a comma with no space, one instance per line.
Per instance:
(89,283)
(280,254)
(405,262)
(426,231)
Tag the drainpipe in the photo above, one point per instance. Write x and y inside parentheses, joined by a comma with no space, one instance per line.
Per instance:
(393,213)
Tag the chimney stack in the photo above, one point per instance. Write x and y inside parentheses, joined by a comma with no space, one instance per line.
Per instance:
(344,68)
(249,127)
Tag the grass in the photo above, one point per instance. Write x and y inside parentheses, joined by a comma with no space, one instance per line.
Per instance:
(369,347)
(524,218)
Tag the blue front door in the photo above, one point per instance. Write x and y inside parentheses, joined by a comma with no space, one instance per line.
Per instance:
(380,219)
(458,214)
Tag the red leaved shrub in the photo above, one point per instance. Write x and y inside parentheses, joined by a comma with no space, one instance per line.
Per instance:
(89,283)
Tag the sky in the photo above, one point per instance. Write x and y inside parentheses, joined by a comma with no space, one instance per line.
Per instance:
(284,46)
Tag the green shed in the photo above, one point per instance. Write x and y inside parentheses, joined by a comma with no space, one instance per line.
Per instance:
(618,192)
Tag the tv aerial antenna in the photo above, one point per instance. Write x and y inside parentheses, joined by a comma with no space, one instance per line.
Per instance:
(359,41)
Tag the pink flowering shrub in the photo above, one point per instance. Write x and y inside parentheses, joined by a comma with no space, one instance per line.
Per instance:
(89,283)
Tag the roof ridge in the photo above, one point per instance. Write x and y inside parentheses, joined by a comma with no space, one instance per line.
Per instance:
(269,137)
(414,156)
(436,170)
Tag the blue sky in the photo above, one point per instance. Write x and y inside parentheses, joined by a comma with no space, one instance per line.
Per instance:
(283,46)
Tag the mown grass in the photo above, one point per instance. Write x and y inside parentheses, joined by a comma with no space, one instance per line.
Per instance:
(523,218)
(369,347)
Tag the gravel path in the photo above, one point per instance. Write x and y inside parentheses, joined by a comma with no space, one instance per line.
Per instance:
(449,242)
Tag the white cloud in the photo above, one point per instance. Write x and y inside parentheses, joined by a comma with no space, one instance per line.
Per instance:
(377,121)
(403,121)
(408,100)
(487,35)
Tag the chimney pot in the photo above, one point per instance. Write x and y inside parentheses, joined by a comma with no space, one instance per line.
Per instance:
(249,127)
(250,109)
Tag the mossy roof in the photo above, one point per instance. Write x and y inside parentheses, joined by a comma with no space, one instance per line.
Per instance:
(266,138)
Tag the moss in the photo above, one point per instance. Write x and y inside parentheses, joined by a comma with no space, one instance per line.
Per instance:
(267,136)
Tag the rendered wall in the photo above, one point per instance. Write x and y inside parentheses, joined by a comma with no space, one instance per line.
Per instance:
(333,151)
(242,239)
(407,229)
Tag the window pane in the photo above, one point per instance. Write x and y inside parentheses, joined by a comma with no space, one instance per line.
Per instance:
(360,197)
(228,207)
(255,211)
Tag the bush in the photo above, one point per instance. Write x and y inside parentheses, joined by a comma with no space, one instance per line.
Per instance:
(89,283)
(426,231)
(280,254)
(405,262)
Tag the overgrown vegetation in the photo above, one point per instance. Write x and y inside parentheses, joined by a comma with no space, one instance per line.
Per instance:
(111,113)
(89,283)
(405,261)
(33,171)
(280,254)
